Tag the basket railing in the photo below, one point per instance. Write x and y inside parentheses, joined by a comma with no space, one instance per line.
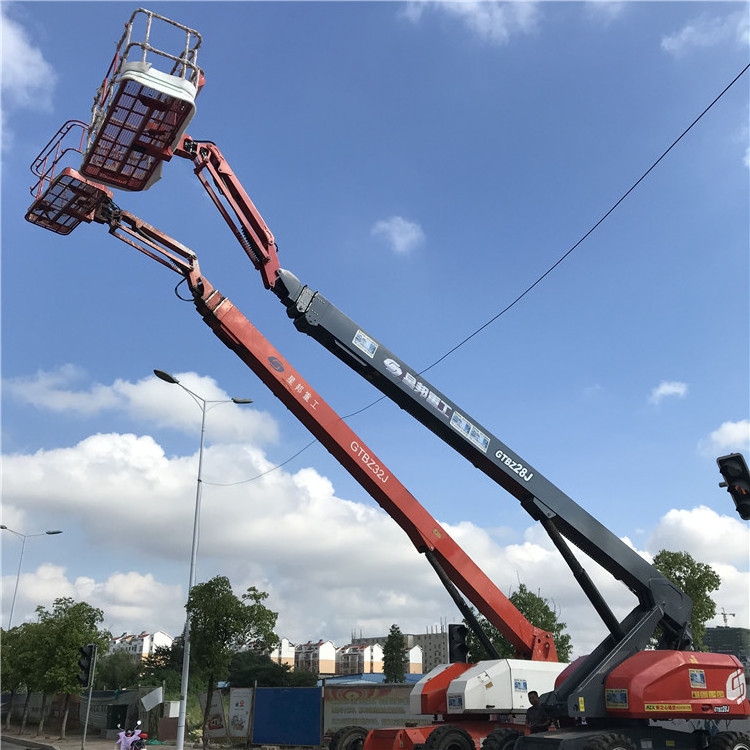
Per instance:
(46,164)
(184,63)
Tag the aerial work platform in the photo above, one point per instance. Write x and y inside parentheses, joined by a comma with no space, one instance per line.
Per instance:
(64,198)
(140,113)
(140,110)
(69,200)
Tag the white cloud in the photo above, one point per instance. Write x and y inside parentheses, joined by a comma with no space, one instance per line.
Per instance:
(122,597)
(49,390)
(731,595)
(150,400)
(490,20)
(728,438)
(330,565)
(605,11)
(667,388)
(402,235)
(286,533)
(708,536)
(709,31)
(28,80)
(717,540)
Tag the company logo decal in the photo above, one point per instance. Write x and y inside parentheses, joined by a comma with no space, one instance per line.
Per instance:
(410,381)
(301,390)
(736,686)
(275,362)
(457,421)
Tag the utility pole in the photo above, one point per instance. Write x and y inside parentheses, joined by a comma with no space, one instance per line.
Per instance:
(87,663)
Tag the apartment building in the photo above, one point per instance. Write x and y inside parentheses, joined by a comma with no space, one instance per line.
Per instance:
(728,640)
(359,658)
(283,653)
(414,661)
(433,649)
(140,647)
(319,658)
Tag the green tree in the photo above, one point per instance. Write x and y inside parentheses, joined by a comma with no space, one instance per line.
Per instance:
(164,666)
(13,675)
(116,671)
(220,623)
(61,633)
(18,655)
(394,656)
(25,658)
(697,580)
(538,612)
(249,667)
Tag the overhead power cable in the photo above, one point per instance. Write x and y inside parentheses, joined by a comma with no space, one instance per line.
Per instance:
(267,471)
(574,247)
(590,231)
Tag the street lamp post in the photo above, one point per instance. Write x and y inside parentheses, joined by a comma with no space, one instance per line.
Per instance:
(24,537)
(203,403)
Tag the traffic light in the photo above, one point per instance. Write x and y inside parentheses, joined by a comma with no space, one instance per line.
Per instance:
(457,648)
(85,663)
(737,481)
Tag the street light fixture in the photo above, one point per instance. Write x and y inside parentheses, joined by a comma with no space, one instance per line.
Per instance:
(24,537)
(203,403)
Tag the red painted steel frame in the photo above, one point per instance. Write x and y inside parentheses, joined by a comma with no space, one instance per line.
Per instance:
(67,200)
(236,331)
(252,233)
(414,738)
(684,684)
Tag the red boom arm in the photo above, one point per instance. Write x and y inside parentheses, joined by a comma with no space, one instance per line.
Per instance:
(236,331)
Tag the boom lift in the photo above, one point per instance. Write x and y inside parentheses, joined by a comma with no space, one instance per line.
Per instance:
(604,701)
(621,683)
(475,695)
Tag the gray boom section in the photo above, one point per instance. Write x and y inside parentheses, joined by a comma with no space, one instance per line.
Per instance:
(660,602)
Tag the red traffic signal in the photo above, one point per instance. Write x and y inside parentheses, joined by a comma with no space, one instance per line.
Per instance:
(737,481)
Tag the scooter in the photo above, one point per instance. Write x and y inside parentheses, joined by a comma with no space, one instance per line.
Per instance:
(131,739)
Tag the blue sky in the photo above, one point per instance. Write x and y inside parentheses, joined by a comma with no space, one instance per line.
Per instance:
(420,164)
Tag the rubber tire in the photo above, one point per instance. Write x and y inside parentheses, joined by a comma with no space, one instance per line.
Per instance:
(502,738)
(612,741)
(449,737)
(729,741)
(348,738)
